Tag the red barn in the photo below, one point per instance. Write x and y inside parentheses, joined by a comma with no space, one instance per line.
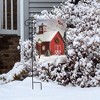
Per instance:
(49,41)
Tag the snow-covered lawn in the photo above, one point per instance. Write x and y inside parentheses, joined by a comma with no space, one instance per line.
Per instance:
(21,90)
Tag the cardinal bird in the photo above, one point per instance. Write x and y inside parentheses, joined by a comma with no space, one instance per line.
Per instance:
(60,23)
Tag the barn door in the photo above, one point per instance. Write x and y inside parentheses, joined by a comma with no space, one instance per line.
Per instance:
(57,49)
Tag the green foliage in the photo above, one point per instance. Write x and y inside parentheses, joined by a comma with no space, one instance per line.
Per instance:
(48,53)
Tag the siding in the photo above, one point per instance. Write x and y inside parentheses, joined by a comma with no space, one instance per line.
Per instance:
(36,6)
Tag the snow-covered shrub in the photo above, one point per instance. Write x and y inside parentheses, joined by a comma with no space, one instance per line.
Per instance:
(83,43)
(70,73)
(23,68)
(18,72)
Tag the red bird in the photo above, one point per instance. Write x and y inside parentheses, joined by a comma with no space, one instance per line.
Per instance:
(60,23)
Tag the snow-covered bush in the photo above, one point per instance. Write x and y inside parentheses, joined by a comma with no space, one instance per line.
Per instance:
(23,68)
(71,73)
(83,43)
(19,72)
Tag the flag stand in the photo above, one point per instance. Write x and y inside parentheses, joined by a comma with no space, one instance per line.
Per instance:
(31,23)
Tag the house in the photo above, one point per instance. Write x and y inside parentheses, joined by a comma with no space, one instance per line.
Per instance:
(49,41)
(13,14)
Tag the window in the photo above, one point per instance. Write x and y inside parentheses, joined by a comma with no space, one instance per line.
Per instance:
(43,48)
(15,14)
(4,14)
(9,15)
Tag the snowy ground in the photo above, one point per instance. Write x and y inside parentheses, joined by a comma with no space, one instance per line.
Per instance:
(21,90)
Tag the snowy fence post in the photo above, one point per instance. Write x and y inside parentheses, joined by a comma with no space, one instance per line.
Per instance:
(31,23)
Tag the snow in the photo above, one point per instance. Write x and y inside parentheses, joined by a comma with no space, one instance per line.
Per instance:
(47,36)
(18,67)
(21,90)
(71,52)
(55,59)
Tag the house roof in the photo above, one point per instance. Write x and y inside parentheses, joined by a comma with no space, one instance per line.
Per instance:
(48,36)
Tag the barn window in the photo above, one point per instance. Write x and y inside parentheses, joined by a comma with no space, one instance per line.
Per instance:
(43,48)
(9,15)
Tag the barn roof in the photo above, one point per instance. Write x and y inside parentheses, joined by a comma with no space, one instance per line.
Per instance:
(48,36)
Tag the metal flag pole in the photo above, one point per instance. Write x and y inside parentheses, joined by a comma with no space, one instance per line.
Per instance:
(31,23)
